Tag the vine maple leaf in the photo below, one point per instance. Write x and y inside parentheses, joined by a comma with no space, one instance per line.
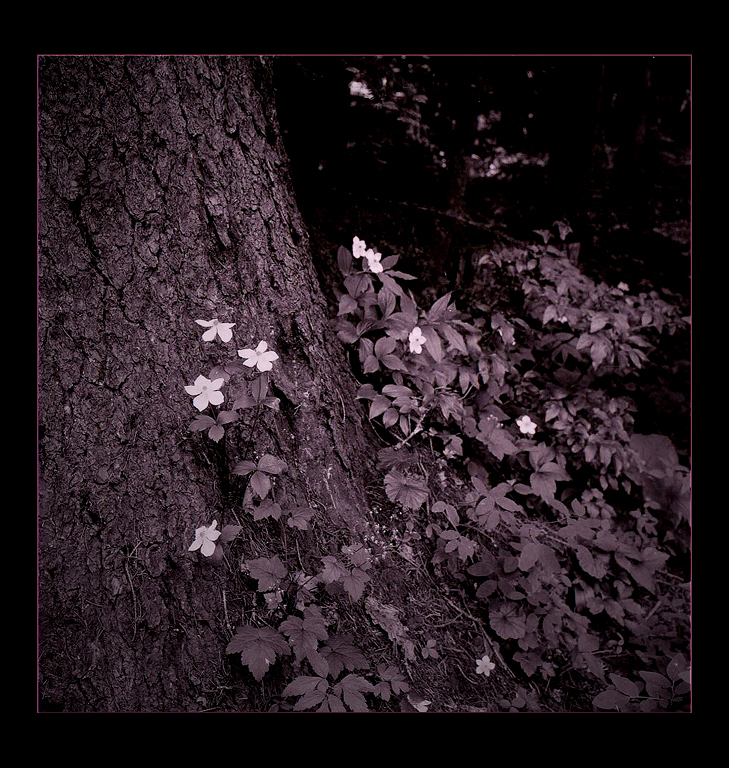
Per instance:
(409,491)
(351,688)
(341,653)
(267,570)
(304,634)
(258,648)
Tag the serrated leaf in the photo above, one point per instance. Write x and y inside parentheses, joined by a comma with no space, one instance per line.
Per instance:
(258,648)
(260,484)
(341,653)
(244,467)
(299,517)
(216,433)
(354,582)
(229,532)
(267,570)
(333,570)
(201,422)
(353,688)
(304,684)
(406,490)
(271,464)
(267,508)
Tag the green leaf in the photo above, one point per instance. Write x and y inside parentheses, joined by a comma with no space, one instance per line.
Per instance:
(244,467)
(268,571)
(628,687)
(260,484)
(344,260)
(406,490)
(304,634)
(438,310)
(352,688)
(216,433)
(342,654)
(333,570)
(354,583)
(610,699)
(258,648)
(299,517)
(271,464)
(529,556)
(201,422)
(229,532)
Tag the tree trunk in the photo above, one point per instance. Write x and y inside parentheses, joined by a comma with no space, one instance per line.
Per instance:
(164,197)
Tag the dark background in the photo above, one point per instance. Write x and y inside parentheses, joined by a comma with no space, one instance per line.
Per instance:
(600,142)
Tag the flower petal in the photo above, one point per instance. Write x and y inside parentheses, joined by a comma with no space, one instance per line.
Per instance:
(209,335)
(262,347)
(205,323)
(195,545)
(208,548)
(215,397)
(201,401)
(224,331)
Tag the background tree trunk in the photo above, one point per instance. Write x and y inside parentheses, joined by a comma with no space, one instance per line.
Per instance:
(164,197)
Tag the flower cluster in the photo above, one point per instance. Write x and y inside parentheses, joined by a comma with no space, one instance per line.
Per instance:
(360,250)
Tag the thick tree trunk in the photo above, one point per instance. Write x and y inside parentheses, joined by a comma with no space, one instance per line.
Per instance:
(164,197)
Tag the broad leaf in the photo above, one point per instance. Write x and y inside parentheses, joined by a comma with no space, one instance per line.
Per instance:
(409,491)
(268,571)
(258,648)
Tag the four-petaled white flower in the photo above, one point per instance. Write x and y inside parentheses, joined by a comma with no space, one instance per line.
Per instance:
(205,538)
(526,425)
(216,327)
(416,340)
(206,392)
(484,665)
(358,248)
(373,260)
(258,357)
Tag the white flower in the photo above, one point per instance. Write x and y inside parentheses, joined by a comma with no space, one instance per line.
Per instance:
(416,340)
(373,260)
(259,357)
(205,538)
(526,425)
(358,247)
(623,286)
(356,88)
(216,327)
(484,665)
(206,391)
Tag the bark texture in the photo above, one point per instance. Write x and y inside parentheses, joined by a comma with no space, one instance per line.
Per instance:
(164,197)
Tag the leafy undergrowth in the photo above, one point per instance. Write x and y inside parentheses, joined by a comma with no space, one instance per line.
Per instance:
(528,550)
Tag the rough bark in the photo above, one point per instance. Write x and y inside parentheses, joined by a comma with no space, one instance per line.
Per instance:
(164,197)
